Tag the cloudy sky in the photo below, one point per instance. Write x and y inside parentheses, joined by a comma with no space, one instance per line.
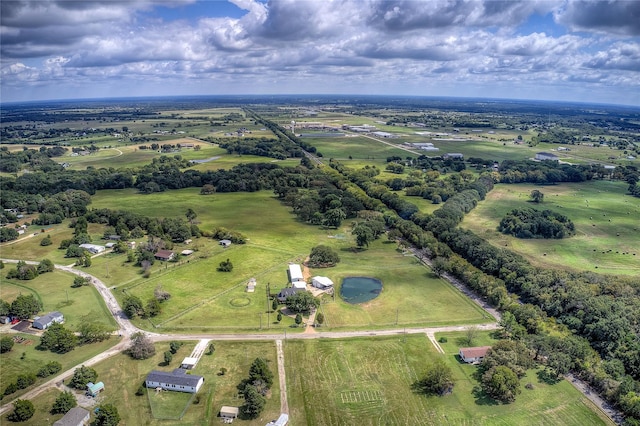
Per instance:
(574,50)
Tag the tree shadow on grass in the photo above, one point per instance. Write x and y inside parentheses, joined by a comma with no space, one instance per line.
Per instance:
(481,398)
(545,376)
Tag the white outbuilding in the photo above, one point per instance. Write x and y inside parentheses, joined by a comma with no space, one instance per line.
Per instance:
(322,283)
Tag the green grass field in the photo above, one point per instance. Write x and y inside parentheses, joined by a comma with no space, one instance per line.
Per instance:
(367,382)
(607,236)
(411,294)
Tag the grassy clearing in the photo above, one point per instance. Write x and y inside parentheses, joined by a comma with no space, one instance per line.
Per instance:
(607,230)
(122,376)
(25,358)
(367,382)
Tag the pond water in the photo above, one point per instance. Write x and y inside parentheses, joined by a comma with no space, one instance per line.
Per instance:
(360,289)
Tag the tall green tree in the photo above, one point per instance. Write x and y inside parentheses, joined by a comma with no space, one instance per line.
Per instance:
(23,410)
(59,339)
(253,404)
(437,380)
(501,383)
(81,376)
(107,415)
(63,403)
(141,346)
(6,343)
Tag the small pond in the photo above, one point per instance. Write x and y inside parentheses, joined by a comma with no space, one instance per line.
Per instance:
(360,289)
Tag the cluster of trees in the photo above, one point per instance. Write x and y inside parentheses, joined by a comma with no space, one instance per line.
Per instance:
(502,368)
(133,306)
(254,388)
(532,223)
(436,380)
(25,271)
(263,147)
(24,306)
(323,256)
(302,302)
(13,162)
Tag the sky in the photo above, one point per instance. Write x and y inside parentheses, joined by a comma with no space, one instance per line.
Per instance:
(566,50)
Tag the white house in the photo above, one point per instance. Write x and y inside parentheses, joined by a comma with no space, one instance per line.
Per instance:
(542,156)
(473,355)
(45,321)
(93,248)
(75,417)
(321,282)
(178,380)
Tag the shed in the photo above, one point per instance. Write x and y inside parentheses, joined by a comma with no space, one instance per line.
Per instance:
(77,416)
(225,243)
(542,156)
(251,285)
(321,282)
(283,420)
(4,319)
(94,389)
(93,248)
(186,252)
(295,273)
(45,321)
(473,355)
(229,413)
(165,255)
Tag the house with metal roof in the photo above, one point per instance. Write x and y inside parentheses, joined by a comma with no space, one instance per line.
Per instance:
(473,355)
(45,321)
(75,417)
(178,380)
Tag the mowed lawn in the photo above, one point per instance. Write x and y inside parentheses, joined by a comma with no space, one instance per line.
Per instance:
(122,376)
(53,289)
(367,381)
(607,224)
(204,298)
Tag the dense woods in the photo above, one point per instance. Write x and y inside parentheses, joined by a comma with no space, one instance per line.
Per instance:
(532,223)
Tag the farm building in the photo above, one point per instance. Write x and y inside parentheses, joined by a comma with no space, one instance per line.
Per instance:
(43,322)
(178,380)
(225,243)
(321,282)
(546,156)
(453,156)
(110,245)
(165,255)
(5,319)
(75,417)
(295,274)
(93,389)
(93,248)
(473,355)
(283,420)
(286,292)
(186,252)
(229,413)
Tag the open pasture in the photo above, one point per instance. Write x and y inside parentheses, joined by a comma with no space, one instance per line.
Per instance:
(358,147)
(205,298)
(607,236)
(367,381)
(122,376)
